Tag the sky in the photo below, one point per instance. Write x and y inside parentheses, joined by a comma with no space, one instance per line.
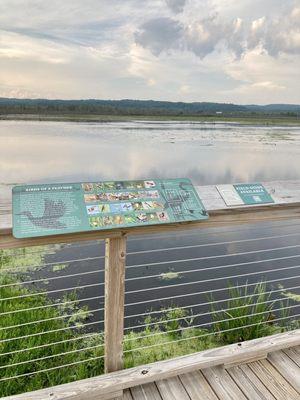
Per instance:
(232,51)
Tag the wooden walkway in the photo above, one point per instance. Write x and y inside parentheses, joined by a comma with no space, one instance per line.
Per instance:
(267,368)
(276,377)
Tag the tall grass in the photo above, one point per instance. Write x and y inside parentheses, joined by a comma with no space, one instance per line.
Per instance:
(17,347)
(159,339)
(244,308)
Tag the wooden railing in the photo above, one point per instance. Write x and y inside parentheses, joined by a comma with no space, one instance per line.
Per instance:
(286,207)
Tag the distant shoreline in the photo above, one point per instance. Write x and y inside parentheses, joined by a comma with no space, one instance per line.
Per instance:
(247,120)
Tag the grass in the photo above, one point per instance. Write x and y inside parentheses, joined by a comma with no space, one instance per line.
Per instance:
(162,337)
(64,335)
(255,311)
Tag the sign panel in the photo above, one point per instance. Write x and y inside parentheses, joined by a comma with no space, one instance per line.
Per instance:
(51,209)
(253,193)
(230,195)
(241,194)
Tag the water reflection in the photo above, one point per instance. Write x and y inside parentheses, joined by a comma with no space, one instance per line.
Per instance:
(206,153)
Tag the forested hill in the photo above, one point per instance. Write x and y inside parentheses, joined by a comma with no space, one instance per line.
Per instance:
(136,107)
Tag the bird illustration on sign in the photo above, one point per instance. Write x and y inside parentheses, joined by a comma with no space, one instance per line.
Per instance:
(53,211)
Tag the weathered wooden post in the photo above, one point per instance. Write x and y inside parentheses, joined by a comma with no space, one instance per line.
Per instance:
(219,201)
(115,260)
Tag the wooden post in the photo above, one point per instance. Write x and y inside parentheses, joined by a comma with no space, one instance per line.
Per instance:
(115,257)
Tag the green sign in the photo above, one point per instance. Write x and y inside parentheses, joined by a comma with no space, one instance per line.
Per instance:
(253,193)
(51,209)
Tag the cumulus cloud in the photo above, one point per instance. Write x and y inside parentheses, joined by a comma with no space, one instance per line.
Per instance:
(176,6)
(283,34)
(160,34)
(217,50)
(200,37)
(205,35)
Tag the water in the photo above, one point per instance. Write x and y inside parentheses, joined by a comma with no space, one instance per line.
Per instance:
(208,153)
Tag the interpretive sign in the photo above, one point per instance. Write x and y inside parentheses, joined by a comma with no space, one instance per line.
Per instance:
(51,209)
(230,195)
(253,193)
(241,194)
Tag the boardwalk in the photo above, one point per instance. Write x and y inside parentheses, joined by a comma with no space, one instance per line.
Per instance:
(277,377)
(261,368)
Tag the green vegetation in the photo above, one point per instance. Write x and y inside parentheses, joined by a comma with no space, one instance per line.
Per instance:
(243,308)
(124,110)
(257,119)
(278,136)
(169,276)
(22,327)
(170,334)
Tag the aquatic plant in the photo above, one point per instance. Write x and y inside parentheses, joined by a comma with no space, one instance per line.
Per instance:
(247,315)
(170,333)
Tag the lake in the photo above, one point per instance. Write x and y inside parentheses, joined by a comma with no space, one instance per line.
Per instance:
(205,152)
(208,153)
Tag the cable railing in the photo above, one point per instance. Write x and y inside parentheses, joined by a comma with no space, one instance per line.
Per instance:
(198,234)
(204,324)
(247,285)
(192,306)
(199,336)
(53,321)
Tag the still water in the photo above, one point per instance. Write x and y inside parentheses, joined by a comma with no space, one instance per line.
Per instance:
(33,152)
(205,152)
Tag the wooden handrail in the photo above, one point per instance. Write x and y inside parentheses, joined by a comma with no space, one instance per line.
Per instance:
(101,386)
(286,206)
(286,195)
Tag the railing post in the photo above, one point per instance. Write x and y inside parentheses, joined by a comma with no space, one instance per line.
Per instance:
(115,259)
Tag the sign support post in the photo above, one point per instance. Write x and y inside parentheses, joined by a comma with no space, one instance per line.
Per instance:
(115,260)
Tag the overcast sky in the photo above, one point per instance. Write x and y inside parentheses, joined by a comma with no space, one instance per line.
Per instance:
(241,51)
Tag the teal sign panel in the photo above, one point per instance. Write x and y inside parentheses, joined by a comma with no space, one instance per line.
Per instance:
(253,193)
(51,209)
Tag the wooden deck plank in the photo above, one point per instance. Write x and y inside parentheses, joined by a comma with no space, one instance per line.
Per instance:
(108,396)
(294,355)
(126,396)
(222,384)
(172,389)
(273,380)
(146,392)
(142,374)
(249,383)
(288,369)
(197,386)
(296,349)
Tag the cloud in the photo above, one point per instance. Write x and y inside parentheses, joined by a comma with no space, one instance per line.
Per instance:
(269,85)
(18,46)
(176,6)
(214,50)
(264,79)
(203,36)
(200,37)
(161,34)
(283,34)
